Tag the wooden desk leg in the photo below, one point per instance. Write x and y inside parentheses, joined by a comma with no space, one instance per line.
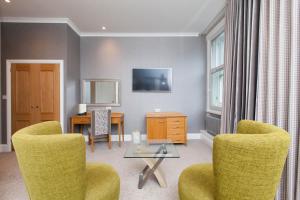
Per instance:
(119,133)
(123,131)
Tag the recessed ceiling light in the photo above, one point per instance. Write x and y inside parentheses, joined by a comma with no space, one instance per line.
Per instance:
(7,1)
(103,28)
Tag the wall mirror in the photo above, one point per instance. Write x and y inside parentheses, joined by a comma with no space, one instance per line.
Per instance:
(101,92)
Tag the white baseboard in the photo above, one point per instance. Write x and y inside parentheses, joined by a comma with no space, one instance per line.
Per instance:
(208,138)
(194,136)
(4,148)
(127,137)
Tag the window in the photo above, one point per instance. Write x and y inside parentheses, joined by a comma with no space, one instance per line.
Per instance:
(215,68)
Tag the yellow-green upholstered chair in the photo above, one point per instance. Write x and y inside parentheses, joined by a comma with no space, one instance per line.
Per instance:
(246,165)
(53,166)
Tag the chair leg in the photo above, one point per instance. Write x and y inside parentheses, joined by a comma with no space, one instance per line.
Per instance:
(92,143)
(109,141)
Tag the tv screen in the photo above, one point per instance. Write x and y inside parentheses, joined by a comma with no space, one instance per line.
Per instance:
(152,80)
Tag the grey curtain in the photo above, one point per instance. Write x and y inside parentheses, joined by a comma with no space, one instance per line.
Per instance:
(278,94)
(262,74)
(241,58)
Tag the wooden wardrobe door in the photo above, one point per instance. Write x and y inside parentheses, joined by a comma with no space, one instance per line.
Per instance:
(22,100)
(48,92)
(35,94)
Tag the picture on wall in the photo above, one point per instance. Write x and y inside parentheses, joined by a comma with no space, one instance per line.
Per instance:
(151,79)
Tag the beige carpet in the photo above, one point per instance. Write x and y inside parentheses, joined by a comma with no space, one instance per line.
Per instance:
(197,151)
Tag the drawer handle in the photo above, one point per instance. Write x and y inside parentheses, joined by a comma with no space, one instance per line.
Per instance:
(175,134)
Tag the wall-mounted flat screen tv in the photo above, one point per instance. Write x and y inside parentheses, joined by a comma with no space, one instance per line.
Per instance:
(152,80)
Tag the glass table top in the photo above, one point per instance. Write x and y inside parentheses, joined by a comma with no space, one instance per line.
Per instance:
(152,149)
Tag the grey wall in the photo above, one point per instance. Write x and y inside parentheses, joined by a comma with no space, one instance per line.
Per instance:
(42,41)
(95,57)
(115,57)
(72,74)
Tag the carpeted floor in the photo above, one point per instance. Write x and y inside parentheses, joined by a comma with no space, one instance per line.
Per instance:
(197,151)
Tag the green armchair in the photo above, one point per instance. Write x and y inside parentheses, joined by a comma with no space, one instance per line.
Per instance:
(53,166)
(246,166)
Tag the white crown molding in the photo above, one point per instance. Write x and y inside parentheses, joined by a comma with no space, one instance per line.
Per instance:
(91,34)
(34,20)
(42,20)
(73,26)
(111,34)
(219,17)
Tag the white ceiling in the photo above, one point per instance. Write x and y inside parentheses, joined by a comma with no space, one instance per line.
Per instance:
(121,16)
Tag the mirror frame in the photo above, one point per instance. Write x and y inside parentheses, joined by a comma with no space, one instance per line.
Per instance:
(117,95)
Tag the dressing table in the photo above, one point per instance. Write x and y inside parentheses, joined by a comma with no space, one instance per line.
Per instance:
(99,93)
(84,120)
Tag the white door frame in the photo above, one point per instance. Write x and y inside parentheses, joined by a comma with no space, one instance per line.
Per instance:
(8,91)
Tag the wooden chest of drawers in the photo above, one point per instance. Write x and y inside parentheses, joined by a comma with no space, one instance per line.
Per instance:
(167,125)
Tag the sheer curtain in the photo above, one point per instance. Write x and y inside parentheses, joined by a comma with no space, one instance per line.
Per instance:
(278,93)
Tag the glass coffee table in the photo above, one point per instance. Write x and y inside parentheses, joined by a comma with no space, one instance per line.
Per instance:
(153,153)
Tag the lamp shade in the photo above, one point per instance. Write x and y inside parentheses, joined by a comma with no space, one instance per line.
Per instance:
(81,108)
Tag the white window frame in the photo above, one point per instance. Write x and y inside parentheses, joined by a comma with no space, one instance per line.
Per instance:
(212,34)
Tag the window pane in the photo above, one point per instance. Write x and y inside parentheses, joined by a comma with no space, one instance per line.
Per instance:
(217,51)
(216,88)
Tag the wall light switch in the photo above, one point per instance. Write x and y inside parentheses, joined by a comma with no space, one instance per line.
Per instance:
(4,97)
